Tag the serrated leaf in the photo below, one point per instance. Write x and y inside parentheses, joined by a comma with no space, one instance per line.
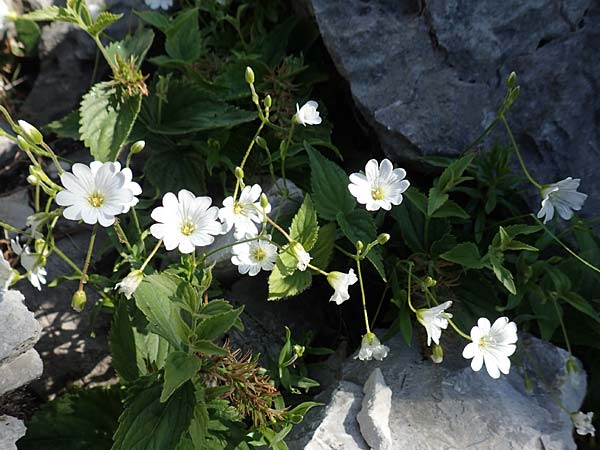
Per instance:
(148,424)
(208,348)
(466,254)
(305,228)
(122,344)
(134,46)
(104,20)
(358,225)
(450,209)
(282,287)
(154,18)
(216,326)
(323,249)
(435,200)
(67,127)
(329,184)
(183,37)
(180,367)
(185,167)
(106,120)
(50,14)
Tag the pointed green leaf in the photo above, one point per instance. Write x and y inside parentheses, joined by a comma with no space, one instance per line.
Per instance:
(180,367)
(436,200)
(288,286)
(305,227)
(216,326)
(466,254)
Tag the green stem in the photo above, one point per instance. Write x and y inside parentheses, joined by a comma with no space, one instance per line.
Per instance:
(482,135)
(151,255)
(66,259)
(344,252)
(246,155)
(13,229)
(138,228)
(458,330)
(284,155)
(363,296)
(88,257)
(316,269)
(122,236)
(562,326)
(410,305)
(518,152)
(278,228)
(53,157)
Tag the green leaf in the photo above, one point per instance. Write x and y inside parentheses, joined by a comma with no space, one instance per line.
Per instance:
(358,225)
(323,249)
(154,18)
(185,166)
(122,344)
(148,424)
(436,200)
(452,176)
(329,184)
(154,298)
(417,198)
(50,14)
(581,304)
(67,127)
(104,20)
(305,228)
(85,420)
(180,367)
(184,38)
(450,209)
(134,46)
(288,286)
(411,223)
(208,348)
(502,273)
(106,120)
(466,254)
(216,326)
(28,34)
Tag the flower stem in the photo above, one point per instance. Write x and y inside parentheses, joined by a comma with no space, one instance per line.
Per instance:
(562,326)
(518,152)
(316,269)
(246,155)
(122,236)
(53,157)
(278,228)
(458,330)
(66,259)
(364,298)
(485,132)
(88,257)
(151,255)
(410,305)
(136,222)
(284,155)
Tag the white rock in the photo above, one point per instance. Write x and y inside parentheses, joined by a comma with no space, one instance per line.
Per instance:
(14,208)
(20,371)
(374,417)
(19,331)
(11,430)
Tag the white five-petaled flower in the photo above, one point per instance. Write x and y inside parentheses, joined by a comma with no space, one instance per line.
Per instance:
(129,184)
(562,197)
(340,282)
(492,345)
(243,214)
(434,320)
(252,257)
(302,256)
(130,283)
(308,114)
(33,263)
(6,273)
(185,221)
(96,193)
(381,186)
(159,4)
(583,423)
(372,348)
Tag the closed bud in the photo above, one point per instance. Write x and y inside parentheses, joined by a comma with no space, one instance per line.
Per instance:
(264,201)
(572,366)
(40,246)
(239,173)
(268,101)
(79,300)
(437,354)
(429,282)
(249,75)
(32,179)
(383,238)
(31,132)
(511,81)
(23,144)
(359,245)
(261,142)
(299,350)
(137,147)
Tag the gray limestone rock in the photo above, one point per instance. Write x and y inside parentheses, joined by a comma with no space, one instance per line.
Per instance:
(14,208)
(429,76)
(11,430)
(21,371)
(19,331)
(374,416)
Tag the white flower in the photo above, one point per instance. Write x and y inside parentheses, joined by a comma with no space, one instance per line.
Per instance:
(492,346)
(583,423)
(381,186)
(159,4)
(308,114)
(33,263)
(130,283)
(129,183)
(434,320)
(244,214)
(95,194)
(563,197)
(371,347)
(6,274)
(185,221)
(340,282)
(302,256)
(252,257)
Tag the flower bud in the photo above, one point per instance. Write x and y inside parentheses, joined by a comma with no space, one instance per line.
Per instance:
(268,101)
(261,142)
(437,354)
(383,238)
(429,282)
(32,179)
(359,245)
(572,366)
(264,201)
(239,173)
(137,147)
(23,144)
(39,246)
(79,300)
(511,81)
(299,350)
(249,75)
(31,132)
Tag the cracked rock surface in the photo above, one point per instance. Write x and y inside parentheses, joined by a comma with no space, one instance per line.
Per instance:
(429,76)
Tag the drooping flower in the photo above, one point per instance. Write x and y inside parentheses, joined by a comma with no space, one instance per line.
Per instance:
(159,4)
(252,257)
(32,262)
(562,197)
(340,282)
(36,222)
(492,345)
(302,256)
(381,186)
(308,114)
(6,274)
(434,320)
(130,283)
(244,214)
(583,423)
(372,348)
(95,194)
(185,221)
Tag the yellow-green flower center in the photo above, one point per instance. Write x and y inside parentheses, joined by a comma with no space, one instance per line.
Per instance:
(377,193)
(188,227)
(259,254)
(237,208)
(96,200)
(485,341)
